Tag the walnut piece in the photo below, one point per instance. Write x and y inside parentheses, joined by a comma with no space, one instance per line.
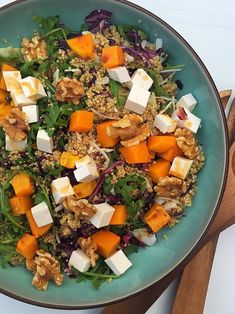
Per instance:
(89,247)
(129,129)
(34,49)
(45,267)
(81,207)
(69,90)
(187,143)
(15,125)
(169,187)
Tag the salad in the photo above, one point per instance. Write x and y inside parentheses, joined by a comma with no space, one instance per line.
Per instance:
(97,152)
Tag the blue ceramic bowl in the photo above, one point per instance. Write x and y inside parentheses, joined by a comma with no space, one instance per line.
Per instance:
(151,264)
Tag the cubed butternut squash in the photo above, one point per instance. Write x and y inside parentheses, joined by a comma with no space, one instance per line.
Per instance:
(137,154)
(83,46)
(160,143)
(157,217)
(27,246)
(106,241)
(5,110)
(171,153)
(112,57)
(68,160)
(159,169)
(84,189)
(22,184)
(119,216)
(103,138)
(36,231)
(20,204)
(81,121)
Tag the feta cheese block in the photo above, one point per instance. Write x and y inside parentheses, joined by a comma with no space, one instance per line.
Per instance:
(32,87)
(44,142)
(159,43)
(31,112)
(165,123)
(180,167)
(141,79)
(185,119)
(119,74)
(41,214)
(20,99)
(19,146)
(79,260)
(144,236)
(86,170)
(61,188)
(137,99)
(103,215)
(118,262)
(187,101)
(12,79)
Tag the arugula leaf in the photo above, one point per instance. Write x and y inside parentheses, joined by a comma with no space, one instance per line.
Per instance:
(42,196)
(52,114)
(9,54)
(156,88)
(130,249)
(47,24)
(115,88)
(2,138)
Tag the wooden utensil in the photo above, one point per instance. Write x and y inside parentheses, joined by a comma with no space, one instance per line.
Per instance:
(192,290)
(225,217)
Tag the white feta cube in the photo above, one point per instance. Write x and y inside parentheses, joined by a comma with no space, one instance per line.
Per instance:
(159,43)
(119,74)
(141,79)
(41,214)
(144,236)
(185,119)
(180,167)
(80,261)
(20,99)
(118,262)
(103,215)
(19,146)
(44,142)
(187,101)
(137,99)
(31,112)
(86,170)
(165,123)
(61,188)
(12,79)
(33,87)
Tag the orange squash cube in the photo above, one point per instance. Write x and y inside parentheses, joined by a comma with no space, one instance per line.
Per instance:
(119,216)
(136,154)
(27,246)
(103,138)
(83,46)
(22,184)
(173,152)
(161,144)
(157,217)
(20,204)
(106,241)
(36,231)
(159,169)
(84,189)
(81,121)
(112,57)
(68,160)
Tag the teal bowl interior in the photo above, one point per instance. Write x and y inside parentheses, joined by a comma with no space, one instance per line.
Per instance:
(151,264)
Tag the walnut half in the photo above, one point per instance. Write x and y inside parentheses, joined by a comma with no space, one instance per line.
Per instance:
(81,207)
(15,125)
(187,143)
(69,90)
(45,267)
(130,129)
(169,187)
(34,49)
(89,247)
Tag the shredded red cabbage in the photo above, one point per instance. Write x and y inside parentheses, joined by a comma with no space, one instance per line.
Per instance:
(98,20)
(103,177)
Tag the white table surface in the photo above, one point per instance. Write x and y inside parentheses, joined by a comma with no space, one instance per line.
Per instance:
(209,26)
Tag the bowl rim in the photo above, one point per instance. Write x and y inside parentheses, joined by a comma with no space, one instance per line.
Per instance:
(179,266)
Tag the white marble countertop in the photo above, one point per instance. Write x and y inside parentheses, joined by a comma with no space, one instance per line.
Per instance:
(209,26)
